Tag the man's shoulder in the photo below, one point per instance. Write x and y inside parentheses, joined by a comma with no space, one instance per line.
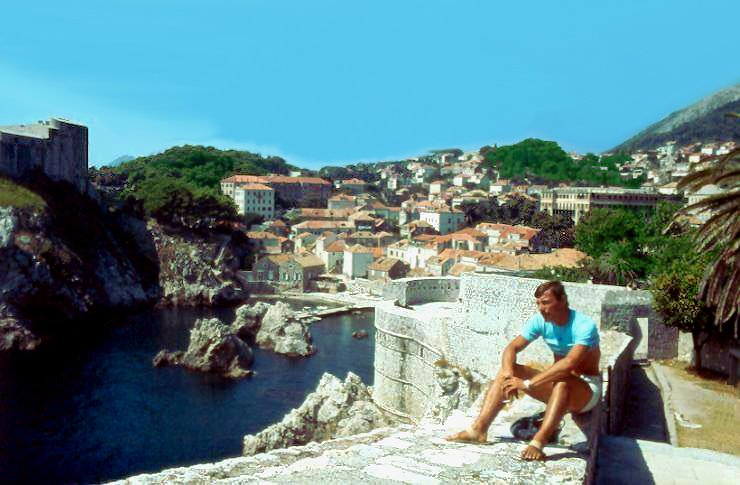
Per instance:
(583,320)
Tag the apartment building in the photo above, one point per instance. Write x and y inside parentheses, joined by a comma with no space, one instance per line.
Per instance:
(577,201)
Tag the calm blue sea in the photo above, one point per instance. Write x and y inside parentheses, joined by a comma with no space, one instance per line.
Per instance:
(91,409)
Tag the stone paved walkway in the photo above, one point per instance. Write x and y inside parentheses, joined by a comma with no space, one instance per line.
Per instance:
(625,460)
(404,454)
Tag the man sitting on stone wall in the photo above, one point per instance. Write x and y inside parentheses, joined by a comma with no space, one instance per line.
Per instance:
(571,384)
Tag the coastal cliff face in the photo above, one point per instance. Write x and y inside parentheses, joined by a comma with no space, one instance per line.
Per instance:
(62,260)
(68,257)
(197,269)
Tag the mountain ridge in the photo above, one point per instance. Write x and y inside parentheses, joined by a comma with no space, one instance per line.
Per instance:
(704,120)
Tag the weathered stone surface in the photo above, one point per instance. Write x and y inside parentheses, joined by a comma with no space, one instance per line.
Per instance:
(197,269)
(248,319)
(404,454)
(56,268)
(455,388)
(282,332)
(14,336)
(213,348)
(335,409)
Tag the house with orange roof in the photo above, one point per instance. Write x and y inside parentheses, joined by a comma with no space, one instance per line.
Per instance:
(416,228)
(304,241)
(362,221)
(255,198)
(269,243)
(468,239)
(356,260)
(319,227)
(267,268)
(292,190)
(354,185)
(300,214)
(520,238)
(386,269)
(444,220)
(299,271)
(342,201)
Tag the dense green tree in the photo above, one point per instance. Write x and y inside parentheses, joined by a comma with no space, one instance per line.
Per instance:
(675,297)
(598,229)
(200,167)
(544,161)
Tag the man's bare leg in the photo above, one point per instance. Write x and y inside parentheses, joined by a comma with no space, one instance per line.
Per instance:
(569,395)
(492,404)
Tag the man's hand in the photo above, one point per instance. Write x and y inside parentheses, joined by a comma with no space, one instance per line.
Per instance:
(512,386)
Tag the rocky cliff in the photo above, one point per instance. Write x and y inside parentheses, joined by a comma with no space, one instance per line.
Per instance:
(69,256)
(64,259)
(334,409)
(199,268)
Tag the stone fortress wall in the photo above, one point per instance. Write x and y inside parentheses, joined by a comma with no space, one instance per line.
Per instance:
(57,147)
(468,322)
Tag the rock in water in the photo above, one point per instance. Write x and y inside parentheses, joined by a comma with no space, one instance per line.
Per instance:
(213,348)
(284,333)
(334,409)
(248,319)
(359,334)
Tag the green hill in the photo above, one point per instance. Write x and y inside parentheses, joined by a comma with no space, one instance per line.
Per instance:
(541,161)
(181,184)
(703,121)
(201,167)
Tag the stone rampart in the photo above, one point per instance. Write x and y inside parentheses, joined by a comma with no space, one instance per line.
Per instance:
(470,330)
(57,147)
(414,291)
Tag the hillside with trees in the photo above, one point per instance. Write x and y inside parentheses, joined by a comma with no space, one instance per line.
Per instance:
(180,186)
(541,161)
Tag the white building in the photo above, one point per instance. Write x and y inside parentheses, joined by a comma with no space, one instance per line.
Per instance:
(356,260)
(331,251)
(255,199)
(436,188)
(444,221)
(415,255)
(499,188)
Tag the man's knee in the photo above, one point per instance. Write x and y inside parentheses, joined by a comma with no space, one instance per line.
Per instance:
(561,388)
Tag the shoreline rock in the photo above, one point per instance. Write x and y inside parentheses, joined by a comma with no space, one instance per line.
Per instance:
(214,349)
(248,319)
(282,332)
(335,409)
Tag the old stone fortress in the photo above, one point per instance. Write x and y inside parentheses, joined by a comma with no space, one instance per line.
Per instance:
(438,342)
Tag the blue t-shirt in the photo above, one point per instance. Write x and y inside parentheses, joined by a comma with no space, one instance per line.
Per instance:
(580,329)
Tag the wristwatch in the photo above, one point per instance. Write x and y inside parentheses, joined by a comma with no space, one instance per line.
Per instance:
(527,384)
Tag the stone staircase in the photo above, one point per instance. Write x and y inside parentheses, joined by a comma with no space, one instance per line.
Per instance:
(631,461)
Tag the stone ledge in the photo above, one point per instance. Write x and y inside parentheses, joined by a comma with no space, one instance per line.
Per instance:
(388,455)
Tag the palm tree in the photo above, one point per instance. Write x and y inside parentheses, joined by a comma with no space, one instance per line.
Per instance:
(720,286)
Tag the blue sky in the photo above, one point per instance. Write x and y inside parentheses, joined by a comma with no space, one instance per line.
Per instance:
(333,82)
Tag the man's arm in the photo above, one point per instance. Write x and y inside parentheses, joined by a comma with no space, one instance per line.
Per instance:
(562,368)
(508,357)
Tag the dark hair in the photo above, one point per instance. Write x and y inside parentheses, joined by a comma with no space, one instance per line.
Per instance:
(556,287)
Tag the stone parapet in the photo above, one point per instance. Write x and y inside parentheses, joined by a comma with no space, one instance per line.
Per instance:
(470,331)
(414,291)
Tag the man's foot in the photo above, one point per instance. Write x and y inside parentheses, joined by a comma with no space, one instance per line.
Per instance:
(532,453)
(468,436)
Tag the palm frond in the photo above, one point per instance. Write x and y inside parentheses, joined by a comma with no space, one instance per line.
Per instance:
(720,286)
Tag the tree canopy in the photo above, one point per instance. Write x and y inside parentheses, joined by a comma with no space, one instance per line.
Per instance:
(182,184)
(540,160)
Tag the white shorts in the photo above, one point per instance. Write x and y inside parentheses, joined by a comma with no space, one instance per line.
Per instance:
(594,383)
